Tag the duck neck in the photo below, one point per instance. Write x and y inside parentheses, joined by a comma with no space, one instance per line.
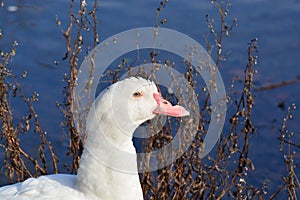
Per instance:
(108,166)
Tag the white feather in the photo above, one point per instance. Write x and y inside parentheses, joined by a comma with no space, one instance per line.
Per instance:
(96,180)
(108,166)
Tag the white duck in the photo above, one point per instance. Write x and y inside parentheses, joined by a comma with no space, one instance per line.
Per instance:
(117,112)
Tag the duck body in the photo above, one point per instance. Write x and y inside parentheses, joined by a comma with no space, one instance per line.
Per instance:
(45,187)
(108,165)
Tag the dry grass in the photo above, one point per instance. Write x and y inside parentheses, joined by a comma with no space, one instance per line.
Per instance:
(224,173)
(18,163)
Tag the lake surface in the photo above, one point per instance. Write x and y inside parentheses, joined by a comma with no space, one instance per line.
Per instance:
(274,22)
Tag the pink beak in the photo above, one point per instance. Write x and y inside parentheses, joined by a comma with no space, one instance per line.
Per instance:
(165,108)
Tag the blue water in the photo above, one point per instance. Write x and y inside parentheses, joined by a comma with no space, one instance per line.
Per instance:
(274,22)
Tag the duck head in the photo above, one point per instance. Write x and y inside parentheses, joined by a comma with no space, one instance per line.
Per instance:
(142,101)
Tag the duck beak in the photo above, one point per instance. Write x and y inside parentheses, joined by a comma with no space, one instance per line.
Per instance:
(165,108)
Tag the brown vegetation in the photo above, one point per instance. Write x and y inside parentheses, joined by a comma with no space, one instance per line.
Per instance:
(222,174)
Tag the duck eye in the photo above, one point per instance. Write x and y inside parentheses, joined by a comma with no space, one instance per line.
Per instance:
(137,94)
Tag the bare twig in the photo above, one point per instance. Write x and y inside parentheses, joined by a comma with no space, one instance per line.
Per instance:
(277,85)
